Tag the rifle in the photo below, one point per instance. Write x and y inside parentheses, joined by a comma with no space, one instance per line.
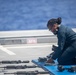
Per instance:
(13,62)
(28,72)
(44,59)
(19,67)
(62,68)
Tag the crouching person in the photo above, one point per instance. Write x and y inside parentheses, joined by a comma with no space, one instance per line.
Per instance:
(65,53)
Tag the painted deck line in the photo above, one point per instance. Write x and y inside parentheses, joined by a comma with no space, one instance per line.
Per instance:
(6,50)
(26,33)
(32,46)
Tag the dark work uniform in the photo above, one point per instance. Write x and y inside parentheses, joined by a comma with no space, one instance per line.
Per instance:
(66,50)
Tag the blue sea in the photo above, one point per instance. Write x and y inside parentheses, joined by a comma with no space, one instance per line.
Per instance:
(34,14)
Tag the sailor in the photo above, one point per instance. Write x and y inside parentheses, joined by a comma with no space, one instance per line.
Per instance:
(65,53)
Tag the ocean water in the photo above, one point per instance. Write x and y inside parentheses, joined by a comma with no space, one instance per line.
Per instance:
(34,14)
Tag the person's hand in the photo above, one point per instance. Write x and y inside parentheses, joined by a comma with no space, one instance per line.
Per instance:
(50,61)
(54,48)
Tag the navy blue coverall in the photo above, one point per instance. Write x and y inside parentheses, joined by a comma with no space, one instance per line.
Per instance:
(66,50)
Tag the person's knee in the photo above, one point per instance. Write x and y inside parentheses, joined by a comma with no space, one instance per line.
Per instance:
(61,61)
(66,62)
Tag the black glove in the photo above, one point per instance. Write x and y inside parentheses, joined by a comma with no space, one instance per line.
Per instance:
(54,48)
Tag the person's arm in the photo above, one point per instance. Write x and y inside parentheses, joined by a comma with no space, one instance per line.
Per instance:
(61,43)
(57,51)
